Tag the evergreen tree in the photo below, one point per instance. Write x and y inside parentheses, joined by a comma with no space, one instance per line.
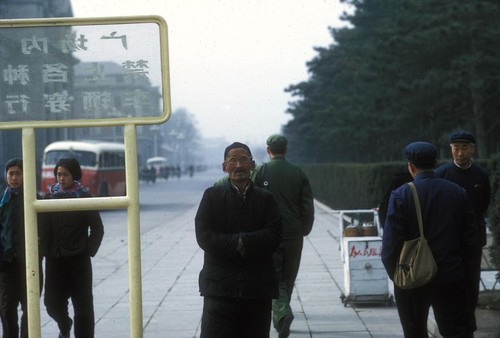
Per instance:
(402,71)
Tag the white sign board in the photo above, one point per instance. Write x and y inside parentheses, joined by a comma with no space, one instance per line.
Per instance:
(87,72)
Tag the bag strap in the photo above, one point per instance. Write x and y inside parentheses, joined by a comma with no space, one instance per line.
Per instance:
(417,208)
(265,179)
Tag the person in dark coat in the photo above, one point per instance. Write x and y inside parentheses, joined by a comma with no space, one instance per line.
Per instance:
(238,226)
(68,246)
(292,191)
(452,235)
(12,254)
(475,181)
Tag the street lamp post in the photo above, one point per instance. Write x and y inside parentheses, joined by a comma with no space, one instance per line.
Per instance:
(155,129)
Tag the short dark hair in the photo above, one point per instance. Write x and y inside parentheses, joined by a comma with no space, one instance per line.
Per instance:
(15,162)
(72,165)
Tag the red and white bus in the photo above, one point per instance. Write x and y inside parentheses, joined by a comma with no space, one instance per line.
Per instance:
(102,163)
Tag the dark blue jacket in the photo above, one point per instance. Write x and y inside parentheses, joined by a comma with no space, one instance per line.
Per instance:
(12,227)
(449,226)
(475,181)
(224,216)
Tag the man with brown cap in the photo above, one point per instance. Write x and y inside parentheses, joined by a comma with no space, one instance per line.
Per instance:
(475,181)
(238,226)
(292,191)
(450,231)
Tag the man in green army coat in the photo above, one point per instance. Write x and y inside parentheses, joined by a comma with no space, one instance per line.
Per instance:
(292,191)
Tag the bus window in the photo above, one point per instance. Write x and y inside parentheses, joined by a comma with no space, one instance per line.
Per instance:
(85,158)
(103,165)
(112,159)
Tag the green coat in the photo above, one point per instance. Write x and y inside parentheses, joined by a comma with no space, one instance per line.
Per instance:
(292,191)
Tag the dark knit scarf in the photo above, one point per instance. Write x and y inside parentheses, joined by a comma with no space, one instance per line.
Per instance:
(76,190)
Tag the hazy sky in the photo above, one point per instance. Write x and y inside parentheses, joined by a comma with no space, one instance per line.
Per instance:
(230,60)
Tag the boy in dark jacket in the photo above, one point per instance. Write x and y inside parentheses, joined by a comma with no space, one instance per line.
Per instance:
(12,254)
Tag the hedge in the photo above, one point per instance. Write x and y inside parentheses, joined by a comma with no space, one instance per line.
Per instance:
(362,186)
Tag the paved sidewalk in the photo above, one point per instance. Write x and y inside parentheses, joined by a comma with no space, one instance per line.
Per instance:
(172,260)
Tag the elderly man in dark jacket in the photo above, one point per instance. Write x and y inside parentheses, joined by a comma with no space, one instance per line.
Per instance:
(238,226)
(475,181)
(452,235)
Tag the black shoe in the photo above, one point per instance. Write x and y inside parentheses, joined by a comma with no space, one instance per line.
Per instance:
(61,335)
(66,334)
(285,324)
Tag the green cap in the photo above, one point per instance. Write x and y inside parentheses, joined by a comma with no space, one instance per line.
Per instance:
(277,143)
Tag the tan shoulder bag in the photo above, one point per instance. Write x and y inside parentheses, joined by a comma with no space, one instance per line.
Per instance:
(416,266)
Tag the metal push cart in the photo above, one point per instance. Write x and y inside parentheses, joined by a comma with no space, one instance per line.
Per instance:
(365,278)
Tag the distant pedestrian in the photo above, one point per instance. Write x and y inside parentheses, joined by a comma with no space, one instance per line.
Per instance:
(451,232)
(292,191)
(475,181)
(70,239)
(12,254)
(238,226)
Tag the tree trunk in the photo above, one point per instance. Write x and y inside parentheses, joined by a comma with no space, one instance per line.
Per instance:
(481,139)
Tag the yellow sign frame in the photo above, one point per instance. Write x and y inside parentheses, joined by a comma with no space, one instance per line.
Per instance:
(115,121)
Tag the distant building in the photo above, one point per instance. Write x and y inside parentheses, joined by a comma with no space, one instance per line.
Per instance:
(121,99)
(24,9)
(113,94)
(10,140)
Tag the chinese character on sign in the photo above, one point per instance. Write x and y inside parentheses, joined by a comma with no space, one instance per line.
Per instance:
(15,100)
(58,102)
(71,44)
(96,72)
(366,252)
(56,72)
(136,68)
(20,74)
(137,100)
(97,101)
(40,44)
(114,36)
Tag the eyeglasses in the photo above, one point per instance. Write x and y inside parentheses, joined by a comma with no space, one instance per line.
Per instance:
(242,159)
